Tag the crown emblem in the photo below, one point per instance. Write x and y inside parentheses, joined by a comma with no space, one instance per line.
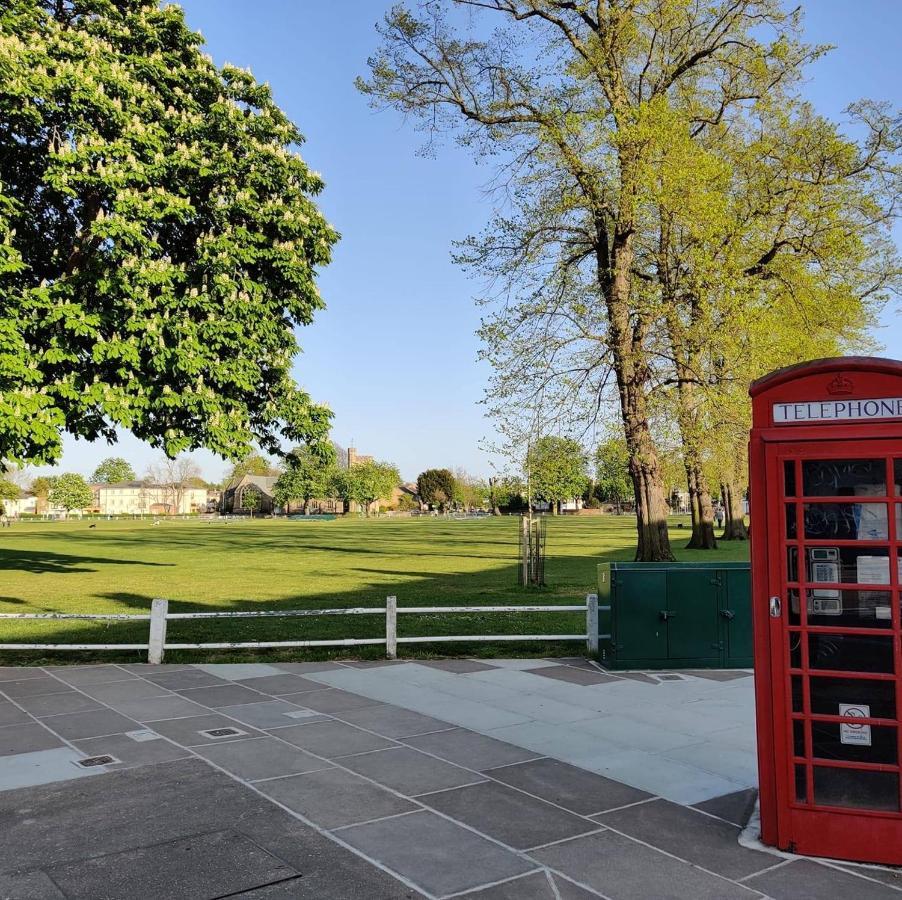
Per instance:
(840,385)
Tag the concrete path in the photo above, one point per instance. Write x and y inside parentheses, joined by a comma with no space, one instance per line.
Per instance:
(504,779)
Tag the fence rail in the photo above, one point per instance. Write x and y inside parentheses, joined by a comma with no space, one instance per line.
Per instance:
(159,617)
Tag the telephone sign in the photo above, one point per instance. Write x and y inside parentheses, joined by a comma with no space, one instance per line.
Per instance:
(825,469)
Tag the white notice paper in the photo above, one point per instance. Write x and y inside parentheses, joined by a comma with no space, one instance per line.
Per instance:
(855,732)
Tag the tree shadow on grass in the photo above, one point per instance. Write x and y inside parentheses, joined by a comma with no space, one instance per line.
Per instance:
(60,563)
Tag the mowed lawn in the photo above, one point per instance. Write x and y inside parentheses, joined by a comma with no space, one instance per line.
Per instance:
(120,566)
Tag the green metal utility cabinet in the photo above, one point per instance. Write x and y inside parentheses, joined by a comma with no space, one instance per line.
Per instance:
(674,615)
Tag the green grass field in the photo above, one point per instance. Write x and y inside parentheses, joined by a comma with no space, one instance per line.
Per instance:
(120,566)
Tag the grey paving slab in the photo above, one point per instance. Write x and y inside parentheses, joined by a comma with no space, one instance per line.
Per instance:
(573,788)
(475,751)
(523,664)
(19,673)
(690,835)
(10,714)
(26,739)
(56,704)
(33,687)
(437,855)
(885,875)
(69,821)
(409,771)
(456,665)
(34,885)
(332,739)
(282,683)
(622,869)
(736,807)
(510,816)
(303,667)
(118,691)
(372,663)
(237,671)
(262,758)
(82,675)
(144,669)
(221,695)
(185,679)
(806,880)
(188,731)
(542,885)
(333,798)
(169,706)
(131,752)
(574,675)
(393,721)
(269,713)
(331,700)
(41,767)
(718,674)
(203,866)
(91,723)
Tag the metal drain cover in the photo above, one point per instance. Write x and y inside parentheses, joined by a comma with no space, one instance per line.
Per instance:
(670,678)
(222,732)
(97,761)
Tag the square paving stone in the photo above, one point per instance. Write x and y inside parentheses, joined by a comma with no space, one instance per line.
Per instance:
(262,758)
(117,691)
(536,886)
(237,671)
(467,748)
(568,786)
(10,714)
(331,701)
(20,673)
(806,880)
(35,885)
(33,687)
(332,739)
(409,771)
(574,675)
(203,866)
(303,667)
(690,835)
(456,665)
(131,752)
(333,798)
(55,704)
(269,714)
(282,684)
(41,767)
(622,869)
(79,675)
(92,723)
(222,695)
(187,731)
(718,674)
(736,807)
(891,876)
(507,815)
(185,679)
(26,739)
(169,706)
(438,855)
(393,721)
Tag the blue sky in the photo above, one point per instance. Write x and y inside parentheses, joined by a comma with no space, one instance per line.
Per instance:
(394,354)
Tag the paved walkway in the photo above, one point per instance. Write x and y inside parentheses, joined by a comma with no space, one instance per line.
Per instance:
(503,779)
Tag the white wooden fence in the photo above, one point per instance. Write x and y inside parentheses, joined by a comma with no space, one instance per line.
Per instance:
(159,617)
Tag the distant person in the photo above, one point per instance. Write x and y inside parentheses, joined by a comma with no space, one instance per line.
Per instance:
(720,515)
(4,520)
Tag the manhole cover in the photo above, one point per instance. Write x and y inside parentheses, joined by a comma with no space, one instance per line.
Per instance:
(222,732)
(97,761)
(670,678)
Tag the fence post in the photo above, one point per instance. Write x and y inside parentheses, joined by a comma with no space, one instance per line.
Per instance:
(592,624)
(158,610)
(391,627)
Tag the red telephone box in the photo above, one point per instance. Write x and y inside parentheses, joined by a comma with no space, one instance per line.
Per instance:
(826,501)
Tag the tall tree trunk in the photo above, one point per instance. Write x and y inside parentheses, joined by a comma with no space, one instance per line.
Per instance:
(702,511)
(307,502)
(734,528)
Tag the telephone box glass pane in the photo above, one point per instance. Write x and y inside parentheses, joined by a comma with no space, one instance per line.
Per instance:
(798,737)
(844,477)
(850,652)
(854,742)
(855,788)
(789,477)
(798,699)
(828,693)
(846,521)
(791,521)
(855,609)
(801,785)
(897,476)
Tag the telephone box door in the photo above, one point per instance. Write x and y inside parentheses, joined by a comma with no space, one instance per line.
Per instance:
(834,521)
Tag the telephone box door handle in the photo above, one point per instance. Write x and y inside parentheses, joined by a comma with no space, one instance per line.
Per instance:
(776,607)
